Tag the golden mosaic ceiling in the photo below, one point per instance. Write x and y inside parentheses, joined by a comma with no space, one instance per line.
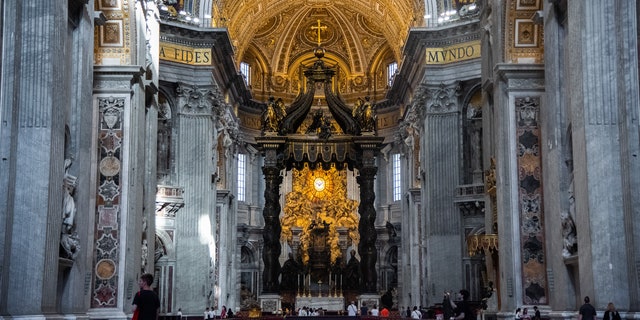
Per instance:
(357,31)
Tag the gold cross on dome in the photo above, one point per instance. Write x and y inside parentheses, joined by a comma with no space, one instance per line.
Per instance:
(319,28)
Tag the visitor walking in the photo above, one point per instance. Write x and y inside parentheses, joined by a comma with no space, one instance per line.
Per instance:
(611,313)
(374,311)
(464,311)
(384,312)
(146,303)
(352,310)
(587,311)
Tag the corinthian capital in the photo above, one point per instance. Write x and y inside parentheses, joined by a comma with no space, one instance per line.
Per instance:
(195,100)
(442,98)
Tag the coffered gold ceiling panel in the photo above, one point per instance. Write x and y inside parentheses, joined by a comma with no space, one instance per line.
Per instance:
(356,30)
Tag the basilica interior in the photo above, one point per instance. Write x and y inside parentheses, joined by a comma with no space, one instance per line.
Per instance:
(269,155)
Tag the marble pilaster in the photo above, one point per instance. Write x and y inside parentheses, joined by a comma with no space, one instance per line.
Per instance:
(196,249)
(557,172)
(226,233)
(413,276)
(81,149)
(32,144)
(519,179)
(443,221)
(603,112)
(119,102)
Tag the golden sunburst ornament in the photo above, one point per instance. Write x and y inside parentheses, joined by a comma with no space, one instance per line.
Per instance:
(319,184)
(319,197)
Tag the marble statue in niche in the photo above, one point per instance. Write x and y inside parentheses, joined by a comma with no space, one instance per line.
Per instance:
(69,240)
(144,255)
(568,226)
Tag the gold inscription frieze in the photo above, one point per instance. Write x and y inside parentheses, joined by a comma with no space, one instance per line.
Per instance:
(454,53)
(251,121)
(387,120)
(185,55)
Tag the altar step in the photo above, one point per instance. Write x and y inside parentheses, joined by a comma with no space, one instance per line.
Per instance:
(328,316)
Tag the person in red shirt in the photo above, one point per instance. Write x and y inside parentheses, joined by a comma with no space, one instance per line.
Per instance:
(384,312)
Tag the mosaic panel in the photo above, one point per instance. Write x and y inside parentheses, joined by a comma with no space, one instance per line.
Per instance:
(105,281)
(534,276)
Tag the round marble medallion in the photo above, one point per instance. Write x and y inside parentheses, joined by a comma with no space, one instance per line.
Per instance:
(105,269)
(109,166)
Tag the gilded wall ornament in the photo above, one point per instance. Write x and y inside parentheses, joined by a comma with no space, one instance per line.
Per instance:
(319,200)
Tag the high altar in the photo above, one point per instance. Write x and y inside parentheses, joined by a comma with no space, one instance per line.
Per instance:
(319,224)
(331,304)
(329,237)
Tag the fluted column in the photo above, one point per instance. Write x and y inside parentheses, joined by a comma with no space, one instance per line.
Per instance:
(196,249)
(442,218)
(603,111)
(32,140)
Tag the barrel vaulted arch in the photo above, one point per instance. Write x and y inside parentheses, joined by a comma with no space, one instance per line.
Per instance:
(248,19)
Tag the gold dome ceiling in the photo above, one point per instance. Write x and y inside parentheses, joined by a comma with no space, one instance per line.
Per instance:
(277,36)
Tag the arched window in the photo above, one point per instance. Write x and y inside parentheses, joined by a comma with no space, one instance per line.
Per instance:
(397,177)
(245,70)
(392,68)
(242,173)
